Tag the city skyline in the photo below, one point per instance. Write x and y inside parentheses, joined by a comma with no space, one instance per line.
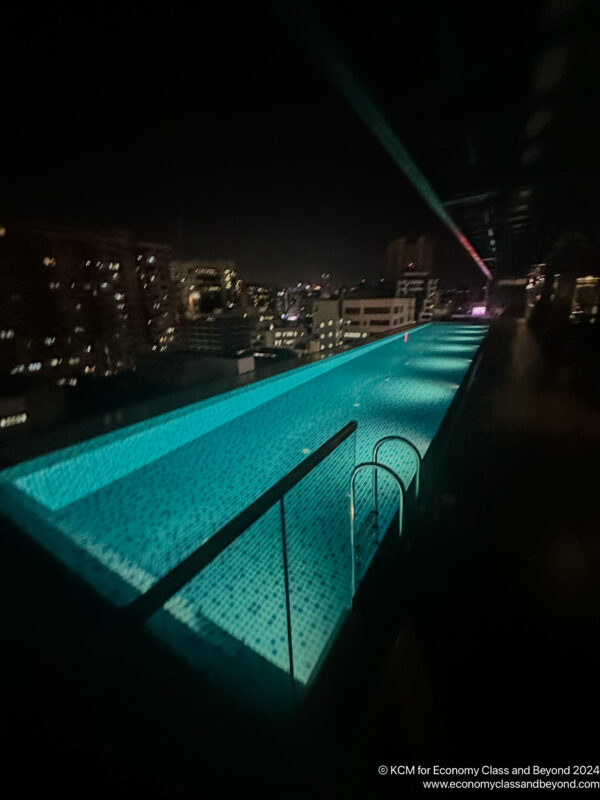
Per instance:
(237,150)
(305,274)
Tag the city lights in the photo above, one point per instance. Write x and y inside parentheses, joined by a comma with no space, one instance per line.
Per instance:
(12,420)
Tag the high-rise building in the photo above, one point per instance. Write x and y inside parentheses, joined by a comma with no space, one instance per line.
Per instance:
(221,333)
(283,334)
(204,285)
(262,298)
(369,316)
(328,323)
(159,295)
(403,255)
(281,303)
(411,265)
(423,288)
(232,285)
(79,301)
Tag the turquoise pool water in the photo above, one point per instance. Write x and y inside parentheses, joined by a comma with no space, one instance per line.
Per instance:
(125,508)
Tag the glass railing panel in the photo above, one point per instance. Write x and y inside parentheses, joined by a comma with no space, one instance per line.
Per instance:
(319,562)
(232,616)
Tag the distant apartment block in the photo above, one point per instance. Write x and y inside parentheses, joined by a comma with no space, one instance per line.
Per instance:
(204,285)
(220,334)
(290,335)
(423,288)
(158,293)
(411,265)
(368,316)
(403,255)
(328,323)
(80,301)
(262,298)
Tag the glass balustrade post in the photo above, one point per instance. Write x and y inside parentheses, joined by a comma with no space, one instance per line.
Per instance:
(286,580)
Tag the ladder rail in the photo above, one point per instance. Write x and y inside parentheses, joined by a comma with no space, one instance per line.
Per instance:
(402,502)
(415,451)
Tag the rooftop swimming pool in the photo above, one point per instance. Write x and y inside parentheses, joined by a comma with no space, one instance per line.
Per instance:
(124,509)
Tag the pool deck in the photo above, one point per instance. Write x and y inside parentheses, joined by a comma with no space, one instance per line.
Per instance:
(493,652)
(488,650)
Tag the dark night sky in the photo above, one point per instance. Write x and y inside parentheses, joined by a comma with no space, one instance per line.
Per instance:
(138,117)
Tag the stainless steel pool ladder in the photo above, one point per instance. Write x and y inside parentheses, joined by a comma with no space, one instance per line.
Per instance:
(376,449)
(374,465)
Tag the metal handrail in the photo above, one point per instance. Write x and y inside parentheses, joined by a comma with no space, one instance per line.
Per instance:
(416,453)
(157,595)
(401,505)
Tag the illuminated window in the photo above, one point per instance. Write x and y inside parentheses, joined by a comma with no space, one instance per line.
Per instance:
(13,419)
